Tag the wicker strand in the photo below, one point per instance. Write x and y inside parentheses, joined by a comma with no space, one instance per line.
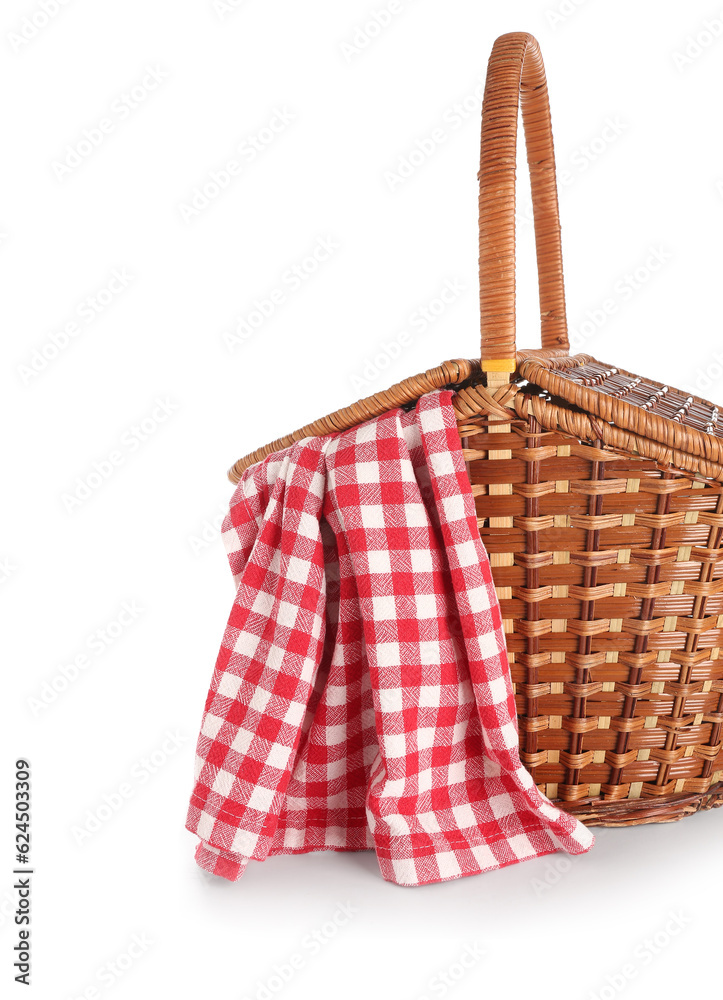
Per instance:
(572,789)
(616,785)
(532,582)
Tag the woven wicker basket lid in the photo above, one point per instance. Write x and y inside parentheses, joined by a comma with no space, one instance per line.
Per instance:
(652,410)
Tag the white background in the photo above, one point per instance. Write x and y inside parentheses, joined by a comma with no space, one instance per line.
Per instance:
(145,535)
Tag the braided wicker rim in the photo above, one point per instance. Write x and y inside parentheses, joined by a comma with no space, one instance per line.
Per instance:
(682,448)
(446,375)
(636,812)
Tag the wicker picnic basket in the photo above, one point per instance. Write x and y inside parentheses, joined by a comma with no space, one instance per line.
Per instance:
(600,503)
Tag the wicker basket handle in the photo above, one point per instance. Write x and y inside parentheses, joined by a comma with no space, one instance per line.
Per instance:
(516,75)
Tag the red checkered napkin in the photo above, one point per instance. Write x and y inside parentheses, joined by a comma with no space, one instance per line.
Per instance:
(362,694)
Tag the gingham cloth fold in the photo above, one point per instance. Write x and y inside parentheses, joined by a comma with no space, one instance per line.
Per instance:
(362,695)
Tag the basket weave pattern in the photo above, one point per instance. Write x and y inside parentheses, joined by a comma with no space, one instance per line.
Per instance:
(610,580)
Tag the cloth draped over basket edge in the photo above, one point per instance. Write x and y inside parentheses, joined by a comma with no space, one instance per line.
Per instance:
(362,695)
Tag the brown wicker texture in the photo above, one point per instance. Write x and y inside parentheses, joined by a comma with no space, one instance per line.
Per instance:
(609,577)
(600,502)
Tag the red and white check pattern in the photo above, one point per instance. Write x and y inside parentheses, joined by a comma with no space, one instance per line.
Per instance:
(362,694)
